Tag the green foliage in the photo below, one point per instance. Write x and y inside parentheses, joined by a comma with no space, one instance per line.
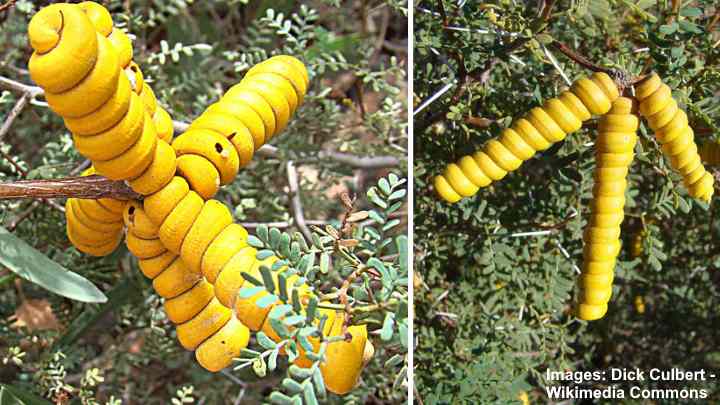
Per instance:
(191,52)
(496,272)
(364,254)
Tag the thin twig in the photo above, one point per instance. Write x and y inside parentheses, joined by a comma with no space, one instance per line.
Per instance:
(556,65)
(579,59)
(7,5)
(16,110)
(20,87)
(14,164)
(22,216)
(296,200)
(280,224)
(342,294)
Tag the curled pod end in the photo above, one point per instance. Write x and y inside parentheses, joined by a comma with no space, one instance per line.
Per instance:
(45,28)
(591,312)
(59,33)
(218,351)
(444,190)
(99,16)
(344,360)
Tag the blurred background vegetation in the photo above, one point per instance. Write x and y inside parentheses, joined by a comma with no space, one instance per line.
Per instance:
(124,351)
(494,281)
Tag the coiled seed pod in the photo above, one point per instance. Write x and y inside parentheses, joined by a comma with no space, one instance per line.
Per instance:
(224,137)
(537,131)
(189,247)
(614,152)
(81,72)
(212,319)
(203,325)
(94,227)
(672,131)
(710,153)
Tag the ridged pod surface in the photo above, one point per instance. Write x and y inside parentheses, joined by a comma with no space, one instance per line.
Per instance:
(537,131)
(675,135)
(84,65)
(185,242)
(201,290)
(114,125)
(227,134)
(614,152)
(94,227)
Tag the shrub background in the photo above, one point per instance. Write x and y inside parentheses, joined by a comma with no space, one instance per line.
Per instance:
(493,305)
(192,52)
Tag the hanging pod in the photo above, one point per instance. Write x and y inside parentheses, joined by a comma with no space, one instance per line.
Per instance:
(614,152)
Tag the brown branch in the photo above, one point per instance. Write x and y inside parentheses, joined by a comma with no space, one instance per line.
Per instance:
(7,5)
(343,296)
(581,60)
(88,187)
(547,10)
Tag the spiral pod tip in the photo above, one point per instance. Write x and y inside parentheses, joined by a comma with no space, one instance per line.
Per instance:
(676,137)
(99,17)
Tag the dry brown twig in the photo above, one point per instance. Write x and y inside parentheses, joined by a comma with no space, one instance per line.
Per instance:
(7,5)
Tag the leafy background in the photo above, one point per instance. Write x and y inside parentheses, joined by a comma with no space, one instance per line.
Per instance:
(124,350)
(494,274)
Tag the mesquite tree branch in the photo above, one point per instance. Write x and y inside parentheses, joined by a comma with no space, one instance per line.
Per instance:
(89,187)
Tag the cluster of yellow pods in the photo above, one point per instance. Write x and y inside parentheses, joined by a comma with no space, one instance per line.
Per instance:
(185,241)
(618,124)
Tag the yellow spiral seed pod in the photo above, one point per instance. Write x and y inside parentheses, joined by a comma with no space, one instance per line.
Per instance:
(671,128)
(537,131)
(614,152)
(189,247)
(91,227)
